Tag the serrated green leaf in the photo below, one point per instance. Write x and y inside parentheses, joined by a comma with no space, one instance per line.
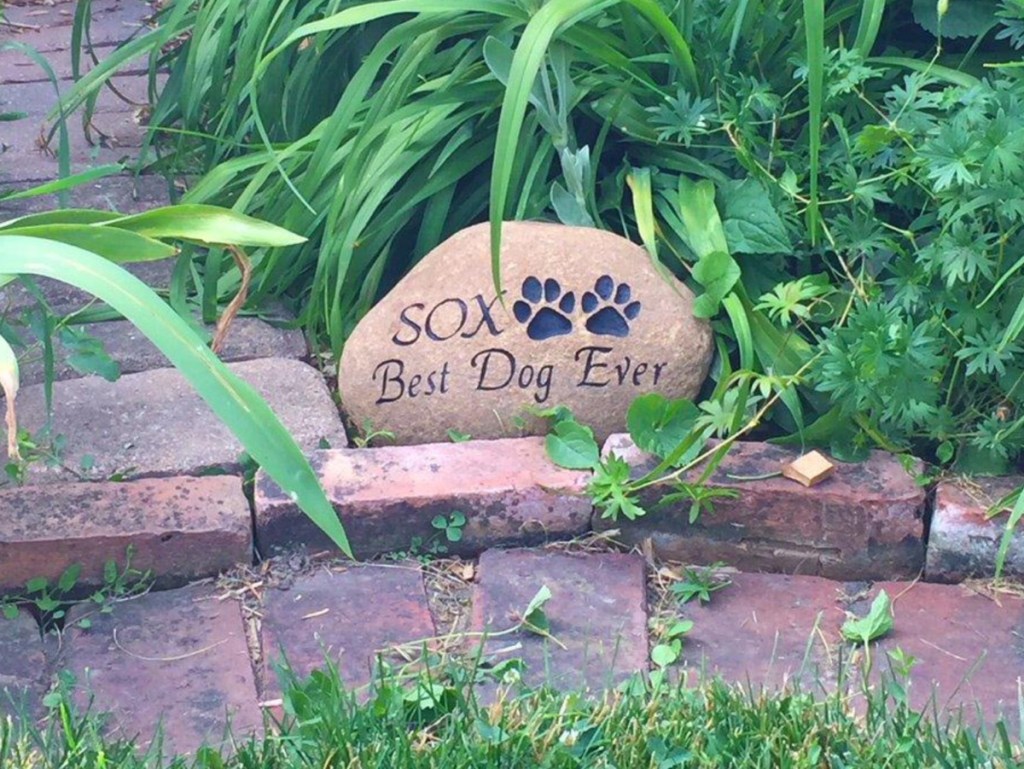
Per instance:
(752,225)
(877,623)
(572,446)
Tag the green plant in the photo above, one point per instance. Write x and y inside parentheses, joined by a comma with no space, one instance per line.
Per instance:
(878,622)
(698,583)
(761,148)
(669,647)
(84,248)
(51,601)
(370,435)
(450,525)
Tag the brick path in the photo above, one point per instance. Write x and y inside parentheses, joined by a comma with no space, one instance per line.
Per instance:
(206,655)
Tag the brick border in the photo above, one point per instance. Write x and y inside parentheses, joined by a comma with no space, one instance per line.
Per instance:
(869,521)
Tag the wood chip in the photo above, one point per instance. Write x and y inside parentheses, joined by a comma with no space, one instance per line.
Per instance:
(468,572)
(810,469)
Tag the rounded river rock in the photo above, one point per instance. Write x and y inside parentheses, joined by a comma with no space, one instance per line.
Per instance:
(588,323)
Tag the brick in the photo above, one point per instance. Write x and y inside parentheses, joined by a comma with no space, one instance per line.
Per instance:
(865,522)
(154,424)
(176,659)
(248,338)
(179,528)
(597,611)
(968,649)
(24,672)
(767,631)
(14,297)
(25,162)
(348,615)
(508,490)
(126,194)
(961,542)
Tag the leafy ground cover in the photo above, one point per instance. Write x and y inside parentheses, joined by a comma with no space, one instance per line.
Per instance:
(435,720)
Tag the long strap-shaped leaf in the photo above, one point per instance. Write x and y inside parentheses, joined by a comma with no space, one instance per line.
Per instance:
(234,401)
(526,64)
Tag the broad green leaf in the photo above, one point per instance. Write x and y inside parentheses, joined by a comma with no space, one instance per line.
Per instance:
(962,18)
(752,225)
(572,446)
(717,272)
(118,246)
(657,424)
(704,232)
(69,578)
(639,181)
(877,623)
(233,400)
(665,654)
(534,617)
(200,223)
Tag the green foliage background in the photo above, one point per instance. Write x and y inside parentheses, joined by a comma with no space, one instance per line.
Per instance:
(840,181)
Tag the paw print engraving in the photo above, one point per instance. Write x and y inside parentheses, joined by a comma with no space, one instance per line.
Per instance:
(551,317)
(609,308)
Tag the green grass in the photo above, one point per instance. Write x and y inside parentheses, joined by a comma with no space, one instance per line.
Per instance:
(434,721)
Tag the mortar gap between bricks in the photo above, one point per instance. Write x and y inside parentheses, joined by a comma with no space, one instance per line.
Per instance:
(927,512)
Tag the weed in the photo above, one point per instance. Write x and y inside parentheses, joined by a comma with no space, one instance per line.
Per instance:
(698,583)
(51,601)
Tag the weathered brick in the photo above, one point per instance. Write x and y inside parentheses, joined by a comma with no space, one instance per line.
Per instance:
(176,659)
(508,490)
(154,424)
(961,542)
(967,648)
(865,522)
(765,630)
(247,339)
(348,615)
(597,612)
(180,528)
(15,297)
(24,672)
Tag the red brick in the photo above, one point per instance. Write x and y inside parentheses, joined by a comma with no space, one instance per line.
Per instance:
(177,659)
(968,649)
(180,528)
(864,522)
(765,630)
(961,542)
(597,611)
(24,672)
(348,615)
(508,490)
